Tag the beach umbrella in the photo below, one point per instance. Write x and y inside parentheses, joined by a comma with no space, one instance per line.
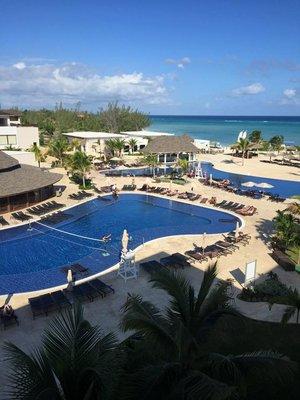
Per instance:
(237,228)
(203,242)
(125,240)
(69,279)
(248,184)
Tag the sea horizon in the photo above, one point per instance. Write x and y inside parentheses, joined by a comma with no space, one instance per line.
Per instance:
(225,128)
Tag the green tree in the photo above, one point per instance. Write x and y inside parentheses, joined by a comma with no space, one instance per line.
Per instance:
(293,302)
(119,146)
(243,146)
(183,164)
(75,362)
(38,154)
(152,162)
(286,229)
(255,137)
(58,147)
(80,163)
(276,143)
(132,143)
(175,362)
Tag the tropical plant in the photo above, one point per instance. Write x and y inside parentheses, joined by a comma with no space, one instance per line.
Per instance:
(80,163)
(168,358)
(152,161)
(292,299)
(75,145)
(119,146)
(243,146)
(76,361)
(293,208)
(276,143)
(183,164)
(58,147)
(286,230)
(38,154)
(255,137)
(132,143)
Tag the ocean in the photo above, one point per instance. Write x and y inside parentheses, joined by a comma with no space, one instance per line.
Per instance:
(225,129)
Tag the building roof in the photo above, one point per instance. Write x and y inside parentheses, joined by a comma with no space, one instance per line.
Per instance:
(18,178)
(146,133)
(171,144)
(94,135)
(10,113)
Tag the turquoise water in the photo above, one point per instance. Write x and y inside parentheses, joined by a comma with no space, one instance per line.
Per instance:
(225,129)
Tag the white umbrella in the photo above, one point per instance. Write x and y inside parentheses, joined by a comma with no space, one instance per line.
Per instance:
(203,242)
(264,185)
(248,184)
(125,240)
(210,179)
(237,228)
(70,276)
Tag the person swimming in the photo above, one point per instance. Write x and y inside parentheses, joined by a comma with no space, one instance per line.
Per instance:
(106,238)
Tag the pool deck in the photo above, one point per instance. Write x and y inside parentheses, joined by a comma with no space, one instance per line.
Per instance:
(107,311)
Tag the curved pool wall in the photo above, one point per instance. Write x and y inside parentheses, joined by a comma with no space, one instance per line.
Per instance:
(281,187)
(32,256)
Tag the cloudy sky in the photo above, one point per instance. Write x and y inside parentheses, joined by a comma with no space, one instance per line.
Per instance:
(217,57)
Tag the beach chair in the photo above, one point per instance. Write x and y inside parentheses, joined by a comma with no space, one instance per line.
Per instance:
(80,293)
(102,287)
(223,202)
(196,255)
(151,266)
(60,298)
(204,200)
(3,221)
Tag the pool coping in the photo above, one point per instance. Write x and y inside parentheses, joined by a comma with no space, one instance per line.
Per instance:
(116,266)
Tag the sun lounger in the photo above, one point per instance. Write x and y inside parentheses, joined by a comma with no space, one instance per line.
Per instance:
(81,293)
(42,305)
(194,197)
(196,255)
(175,260)
(3,221)
(102,287)
(60,299)
(222,203)
(204,200)
(151,266)
(8,319)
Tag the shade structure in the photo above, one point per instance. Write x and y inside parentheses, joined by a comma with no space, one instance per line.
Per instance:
(248,184)
(264,185)
(125,240)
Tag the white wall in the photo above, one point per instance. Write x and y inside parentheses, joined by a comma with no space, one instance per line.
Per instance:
(26,135)
(24,157)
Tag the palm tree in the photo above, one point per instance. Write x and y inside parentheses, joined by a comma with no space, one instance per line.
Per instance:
(183,164)
(175,364)
(80,162)
(152,162)
(243,146)
(292,299)
(38,154)
(75,145)
(119,146)
(58,147)
(255,137)
(76,361)
(132,143)
(111,145)
(286,229)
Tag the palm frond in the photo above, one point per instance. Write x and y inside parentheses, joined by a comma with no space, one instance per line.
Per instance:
(179,289)
(289,312)
(34,378)
(143,317)
(208,279)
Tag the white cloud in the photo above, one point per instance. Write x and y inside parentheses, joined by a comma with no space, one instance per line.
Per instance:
(46,84)
(254,88)
(19,65)
(290,93)
(180,63)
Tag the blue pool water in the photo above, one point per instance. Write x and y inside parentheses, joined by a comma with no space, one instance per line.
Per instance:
(31,259)
(281,187)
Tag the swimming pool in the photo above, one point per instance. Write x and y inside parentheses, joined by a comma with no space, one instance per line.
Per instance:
(32,259)
(282,187)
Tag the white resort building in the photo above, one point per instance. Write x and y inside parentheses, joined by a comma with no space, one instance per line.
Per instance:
(13,134)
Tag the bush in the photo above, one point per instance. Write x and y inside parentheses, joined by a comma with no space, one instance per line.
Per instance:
(264,291)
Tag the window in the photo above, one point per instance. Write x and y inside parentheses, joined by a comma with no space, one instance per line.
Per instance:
(8,139)
(14,118)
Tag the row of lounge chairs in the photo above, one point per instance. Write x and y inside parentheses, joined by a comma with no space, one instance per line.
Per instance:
(129,187)
(218,249)
(45,208)
(56,301)
(21,216)
(80,195)
(78,270)
(173,261)
(3,221)
(237,207)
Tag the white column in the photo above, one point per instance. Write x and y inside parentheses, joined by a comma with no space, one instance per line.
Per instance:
(165,158)
(157,157)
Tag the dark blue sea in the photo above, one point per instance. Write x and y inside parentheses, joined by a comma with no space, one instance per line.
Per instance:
(225,129)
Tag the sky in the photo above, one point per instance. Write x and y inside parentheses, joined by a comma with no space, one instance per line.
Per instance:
(216,57)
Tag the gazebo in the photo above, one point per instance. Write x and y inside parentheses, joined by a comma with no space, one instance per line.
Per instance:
(171,148)
(22,185)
